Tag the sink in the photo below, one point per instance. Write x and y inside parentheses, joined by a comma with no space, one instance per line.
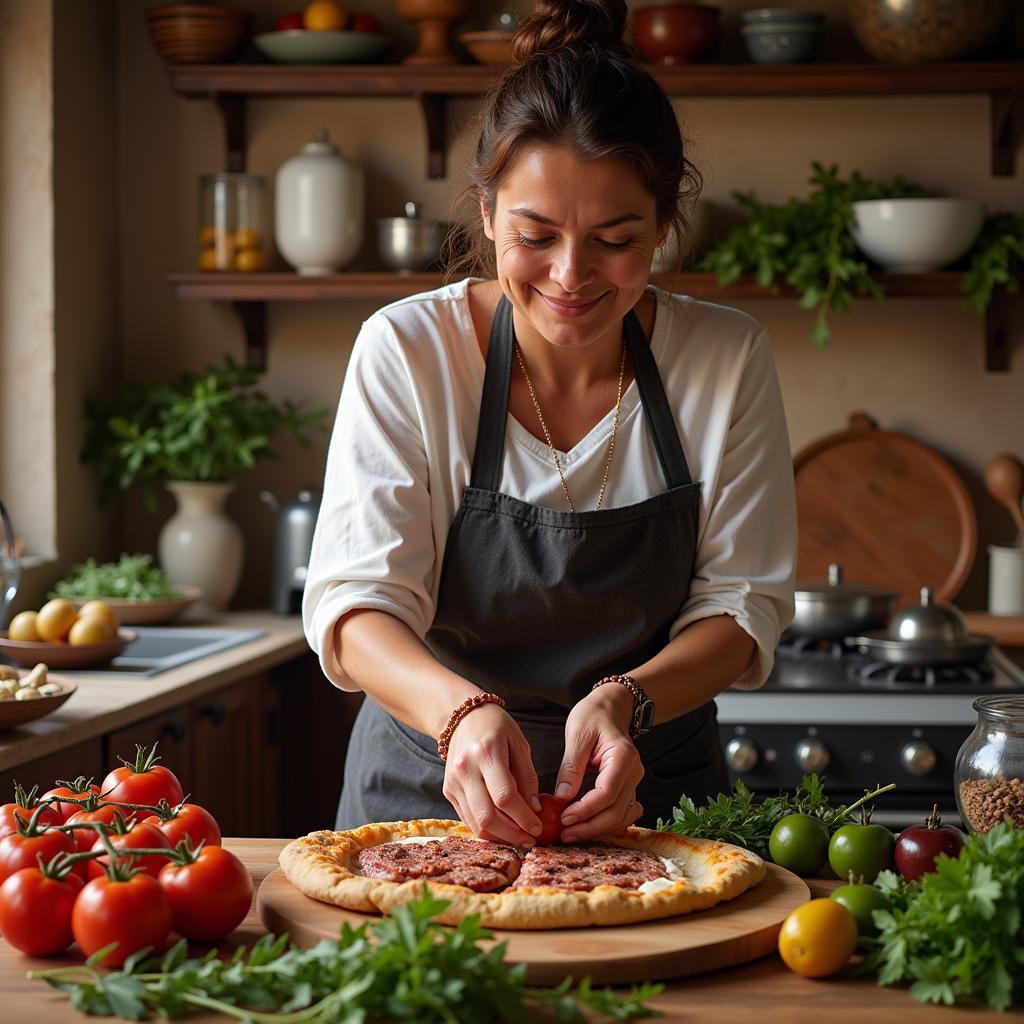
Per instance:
(160,648)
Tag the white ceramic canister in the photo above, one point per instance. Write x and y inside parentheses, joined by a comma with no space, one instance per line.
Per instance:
(1005,580)
(319,208)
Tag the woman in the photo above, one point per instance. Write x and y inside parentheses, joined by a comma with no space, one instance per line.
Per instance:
(558,516)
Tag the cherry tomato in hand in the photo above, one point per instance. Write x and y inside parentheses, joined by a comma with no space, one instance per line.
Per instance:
(143,781)
(919,845)
(210,897)
(18,851)
(79,789)
(35,911)
(133,913)
(189,820)
(550,815)
(140,836)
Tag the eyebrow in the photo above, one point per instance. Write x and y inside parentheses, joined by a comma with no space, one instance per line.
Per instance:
(523,211)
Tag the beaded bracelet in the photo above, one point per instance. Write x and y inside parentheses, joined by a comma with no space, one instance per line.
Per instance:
(459,714)
(639,699)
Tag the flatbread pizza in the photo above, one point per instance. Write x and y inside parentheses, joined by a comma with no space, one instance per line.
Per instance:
(637,875)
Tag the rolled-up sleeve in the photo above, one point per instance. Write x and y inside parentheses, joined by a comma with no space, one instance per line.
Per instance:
(373,546)
(747,548)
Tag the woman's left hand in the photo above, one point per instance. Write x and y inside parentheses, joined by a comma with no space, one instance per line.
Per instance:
(597,734)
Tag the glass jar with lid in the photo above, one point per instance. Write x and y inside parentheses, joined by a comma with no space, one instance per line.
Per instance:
(231,222)
(989,775)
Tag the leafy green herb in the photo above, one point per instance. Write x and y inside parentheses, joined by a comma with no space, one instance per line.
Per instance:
(996,260)
(131,577)
(739,820)
(957,931)
(404,968)
(210,426)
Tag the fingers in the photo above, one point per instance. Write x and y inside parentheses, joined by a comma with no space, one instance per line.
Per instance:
(608,806)
(489,802)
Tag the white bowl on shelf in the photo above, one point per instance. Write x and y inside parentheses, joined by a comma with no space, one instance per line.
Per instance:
(916,236)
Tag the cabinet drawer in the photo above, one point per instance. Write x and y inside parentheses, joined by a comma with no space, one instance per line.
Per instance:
(85,758)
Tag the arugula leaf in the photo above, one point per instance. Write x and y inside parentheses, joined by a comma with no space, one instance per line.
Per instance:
(404,968)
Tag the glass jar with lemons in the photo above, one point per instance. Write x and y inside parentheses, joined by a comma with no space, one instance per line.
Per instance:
(231,222)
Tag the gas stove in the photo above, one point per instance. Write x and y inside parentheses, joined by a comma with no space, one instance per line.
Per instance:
(858,722)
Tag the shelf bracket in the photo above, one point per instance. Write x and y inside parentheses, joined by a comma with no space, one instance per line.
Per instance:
(433,104)
(1005,105)
(997,332)
(232,111)
(254,323)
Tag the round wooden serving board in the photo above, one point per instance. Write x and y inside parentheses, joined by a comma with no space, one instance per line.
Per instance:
(730,933)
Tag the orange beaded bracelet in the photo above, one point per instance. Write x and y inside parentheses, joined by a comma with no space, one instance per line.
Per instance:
(459,714)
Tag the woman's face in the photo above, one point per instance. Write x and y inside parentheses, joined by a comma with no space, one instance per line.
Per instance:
(573,241)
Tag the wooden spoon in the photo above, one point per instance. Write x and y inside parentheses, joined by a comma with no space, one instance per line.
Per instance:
(1004,478)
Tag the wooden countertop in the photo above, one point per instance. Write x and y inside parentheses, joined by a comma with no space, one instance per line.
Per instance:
(764,991)
(105,702)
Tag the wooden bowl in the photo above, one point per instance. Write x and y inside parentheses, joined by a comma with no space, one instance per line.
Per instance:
(18,712)
(29,653)
(197,33)
(493,47)
(147,613)
(675,33)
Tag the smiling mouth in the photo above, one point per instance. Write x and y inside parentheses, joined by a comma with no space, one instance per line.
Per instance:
(570,308)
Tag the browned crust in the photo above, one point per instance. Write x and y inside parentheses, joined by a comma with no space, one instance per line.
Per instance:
(321,866)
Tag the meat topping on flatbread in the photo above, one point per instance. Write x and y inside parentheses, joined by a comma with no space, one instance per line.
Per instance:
(582,868)
(477,864)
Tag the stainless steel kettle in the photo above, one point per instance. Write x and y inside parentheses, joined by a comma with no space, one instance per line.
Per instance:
(10,566)
(293,542)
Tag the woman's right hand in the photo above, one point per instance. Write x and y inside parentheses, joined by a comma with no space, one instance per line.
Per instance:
(489,777)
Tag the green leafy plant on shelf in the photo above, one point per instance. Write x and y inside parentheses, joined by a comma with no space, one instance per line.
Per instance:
(208,426)
(807,245)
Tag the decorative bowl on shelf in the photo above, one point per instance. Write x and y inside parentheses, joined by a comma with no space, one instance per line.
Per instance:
(18,712)
(489,47)
(147,613)
(675,33)
(916,236)
(299,46)
(28,653)
(780,35)
(908,31)
(434,18)
(194,33)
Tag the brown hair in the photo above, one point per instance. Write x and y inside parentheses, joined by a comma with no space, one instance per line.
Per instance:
(574,83)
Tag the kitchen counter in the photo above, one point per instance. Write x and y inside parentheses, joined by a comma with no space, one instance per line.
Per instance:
(106,702)
(764,990)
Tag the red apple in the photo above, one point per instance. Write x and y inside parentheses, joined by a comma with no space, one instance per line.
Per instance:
(362,22)
(289,21)
(919,845)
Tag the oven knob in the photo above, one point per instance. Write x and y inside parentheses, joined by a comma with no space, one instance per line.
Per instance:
(741,754)
(918,757)
(812,756)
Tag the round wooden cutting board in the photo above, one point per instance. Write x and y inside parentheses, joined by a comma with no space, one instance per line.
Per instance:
(730,933)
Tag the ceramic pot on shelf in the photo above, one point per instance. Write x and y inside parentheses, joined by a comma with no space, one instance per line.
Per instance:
(435,19)
(200,545)
(319,208)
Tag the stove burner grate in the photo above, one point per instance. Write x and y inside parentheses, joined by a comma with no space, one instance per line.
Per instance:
(928,675)
(802,648)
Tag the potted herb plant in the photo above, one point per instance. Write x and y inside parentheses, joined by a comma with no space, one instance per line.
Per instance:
(195,434)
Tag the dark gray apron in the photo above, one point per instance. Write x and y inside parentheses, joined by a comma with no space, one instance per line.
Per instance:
(536,604)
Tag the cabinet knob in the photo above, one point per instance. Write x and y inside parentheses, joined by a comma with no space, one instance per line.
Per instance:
(741,754)
(812,756)
(216,713)
(918,757)
(174,729)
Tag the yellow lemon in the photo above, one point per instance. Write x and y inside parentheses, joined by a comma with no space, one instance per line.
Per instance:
(324,16)
(55,619)
(207,259)
(23,627)
(90,629)
(247,238)
(249,260)
(103,610)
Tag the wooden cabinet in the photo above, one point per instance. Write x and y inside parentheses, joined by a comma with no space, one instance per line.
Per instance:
(82,759)
(169,730)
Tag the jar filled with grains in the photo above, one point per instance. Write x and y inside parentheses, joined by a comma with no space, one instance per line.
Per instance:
(989,776)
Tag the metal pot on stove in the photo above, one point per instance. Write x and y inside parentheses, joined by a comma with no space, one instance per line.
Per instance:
(929,633)
(834,608)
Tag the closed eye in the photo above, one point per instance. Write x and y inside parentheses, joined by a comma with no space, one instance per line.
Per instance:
(536,243)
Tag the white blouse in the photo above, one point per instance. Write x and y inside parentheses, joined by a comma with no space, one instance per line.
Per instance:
(402,451)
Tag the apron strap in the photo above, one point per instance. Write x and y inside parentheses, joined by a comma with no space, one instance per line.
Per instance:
(490,440)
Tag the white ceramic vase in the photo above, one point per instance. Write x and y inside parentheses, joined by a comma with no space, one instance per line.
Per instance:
(318,208)
(200,545)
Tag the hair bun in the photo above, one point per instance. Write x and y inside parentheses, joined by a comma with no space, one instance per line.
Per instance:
(556,23)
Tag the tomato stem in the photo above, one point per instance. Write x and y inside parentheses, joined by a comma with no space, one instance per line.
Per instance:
(144,761)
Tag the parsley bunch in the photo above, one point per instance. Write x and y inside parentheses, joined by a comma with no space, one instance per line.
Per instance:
(404,968)
(737,819)
(132,577)
(958,931)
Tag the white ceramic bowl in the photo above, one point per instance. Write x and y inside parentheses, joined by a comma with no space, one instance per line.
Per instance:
(916,236)
(299,46)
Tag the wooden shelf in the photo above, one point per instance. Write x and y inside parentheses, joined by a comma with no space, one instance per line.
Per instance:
(230,85)
(249,293)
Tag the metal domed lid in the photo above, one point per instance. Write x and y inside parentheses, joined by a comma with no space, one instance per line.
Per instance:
(928,622)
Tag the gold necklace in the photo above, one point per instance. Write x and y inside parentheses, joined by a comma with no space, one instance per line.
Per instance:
(547,435)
